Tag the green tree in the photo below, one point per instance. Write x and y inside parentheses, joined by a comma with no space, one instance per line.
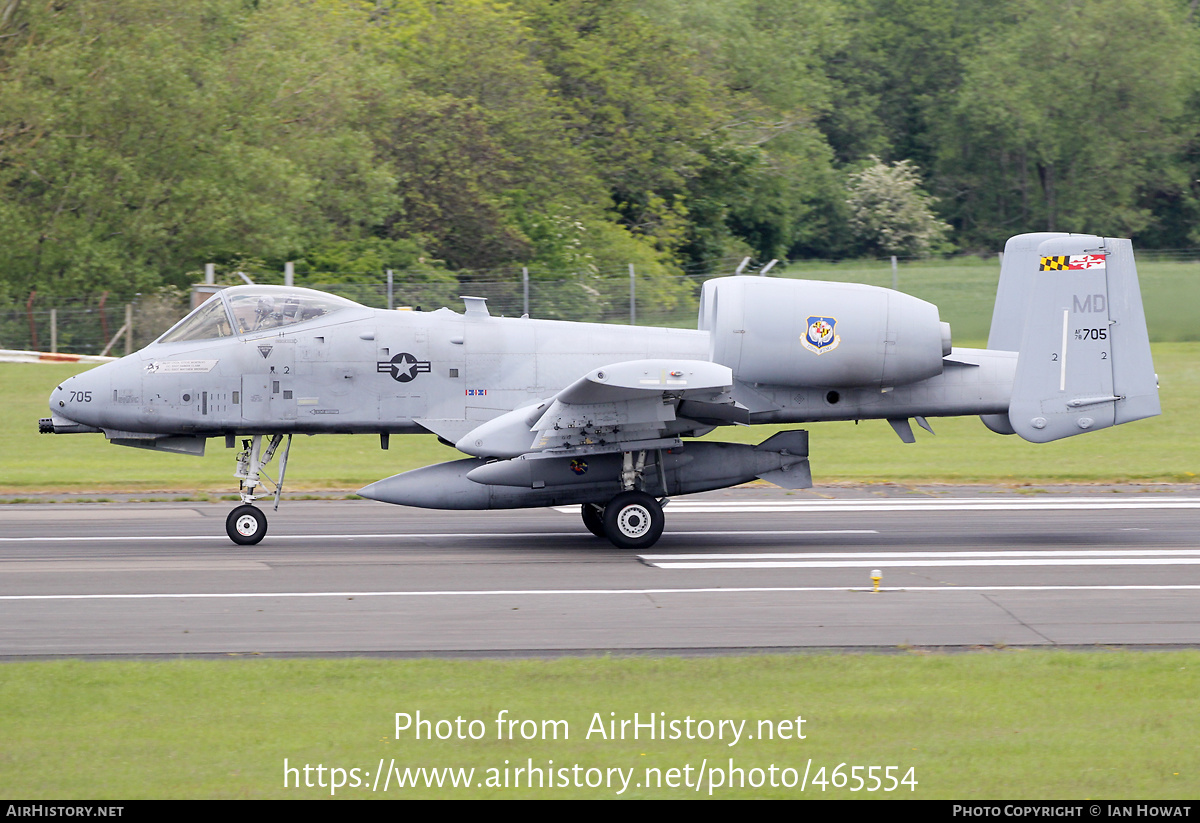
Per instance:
(767,185)
(138,139)
(477,138)
(890,214)
(1070,117)
(894,80)
(631,103)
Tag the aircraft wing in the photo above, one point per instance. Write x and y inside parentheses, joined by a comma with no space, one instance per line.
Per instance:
(619,407)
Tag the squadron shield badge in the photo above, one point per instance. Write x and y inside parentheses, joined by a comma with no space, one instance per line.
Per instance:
(821,335)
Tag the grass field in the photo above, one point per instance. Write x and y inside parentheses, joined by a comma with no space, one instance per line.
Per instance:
(1162,449)
(994,724)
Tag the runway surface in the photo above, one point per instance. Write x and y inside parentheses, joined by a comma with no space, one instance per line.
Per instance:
(742,569)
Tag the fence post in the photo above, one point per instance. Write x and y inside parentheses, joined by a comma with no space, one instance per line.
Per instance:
(525,283)
(632,297)
(210,273)
(389,303)
(104,321)
(129,328)
(895,274)
(289,274)
(29,314)
(54,331)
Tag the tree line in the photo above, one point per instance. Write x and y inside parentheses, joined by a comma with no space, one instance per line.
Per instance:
(141,139)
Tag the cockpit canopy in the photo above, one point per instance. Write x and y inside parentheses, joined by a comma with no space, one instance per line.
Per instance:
(249,309)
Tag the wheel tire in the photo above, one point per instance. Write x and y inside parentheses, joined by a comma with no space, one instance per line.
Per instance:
(246,525)
(593,518)
(633,520)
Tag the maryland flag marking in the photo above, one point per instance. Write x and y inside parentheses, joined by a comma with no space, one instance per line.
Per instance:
(1072,262)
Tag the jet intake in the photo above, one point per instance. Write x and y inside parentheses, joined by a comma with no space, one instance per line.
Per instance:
(822,335)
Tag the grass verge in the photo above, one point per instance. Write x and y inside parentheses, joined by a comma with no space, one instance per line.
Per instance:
(1011,724)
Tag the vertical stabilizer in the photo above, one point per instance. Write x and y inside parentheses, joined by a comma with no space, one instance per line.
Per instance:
(1084,359)
(1018,277)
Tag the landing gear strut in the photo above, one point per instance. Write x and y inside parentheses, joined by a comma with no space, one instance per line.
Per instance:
(247,525)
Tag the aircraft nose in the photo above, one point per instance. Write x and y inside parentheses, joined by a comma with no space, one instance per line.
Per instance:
(84,398)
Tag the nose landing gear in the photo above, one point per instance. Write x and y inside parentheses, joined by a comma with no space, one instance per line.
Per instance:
(246,525)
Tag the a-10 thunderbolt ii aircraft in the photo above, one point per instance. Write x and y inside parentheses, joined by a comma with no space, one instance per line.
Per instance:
(555,413)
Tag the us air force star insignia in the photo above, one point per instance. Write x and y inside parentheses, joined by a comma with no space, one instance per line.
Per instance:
(821,335)
(404,367)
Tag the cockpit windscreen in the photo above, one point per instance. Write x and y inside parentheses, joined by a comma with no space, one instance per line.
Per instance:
(249,309)
(259,311)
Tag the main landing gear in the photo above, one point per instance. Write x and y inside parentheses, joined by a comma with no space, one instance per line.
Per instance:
(247,525)
(633,519)
(593,518)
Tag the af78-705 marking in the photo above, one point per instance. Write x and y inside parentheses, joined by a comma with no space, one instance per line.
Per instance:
(555,413)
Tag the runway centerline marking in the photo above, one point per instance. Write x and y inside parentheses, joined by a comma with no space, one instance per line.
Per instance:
(596,592)
(421,536)
(905,564)
(933,554)
(948,504)
(858,560)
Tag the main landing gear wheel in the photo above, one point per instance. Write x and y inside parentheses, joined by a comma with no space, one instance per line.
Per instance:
(633,520)
(246,525)
(593,518)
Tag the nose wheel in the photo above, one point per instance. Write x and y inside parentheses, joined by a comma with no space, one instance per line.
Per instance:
(246,525)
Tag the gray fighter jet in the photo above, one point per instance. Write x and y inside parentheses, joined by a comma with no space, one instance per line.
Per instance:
(556,413)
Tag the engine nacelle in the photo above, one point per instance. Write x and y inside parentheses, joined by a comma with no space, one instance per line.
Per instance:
(817,334)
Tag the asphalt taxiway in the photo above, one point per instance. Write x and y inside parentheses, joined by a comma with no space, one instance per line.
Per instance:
(752,568)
